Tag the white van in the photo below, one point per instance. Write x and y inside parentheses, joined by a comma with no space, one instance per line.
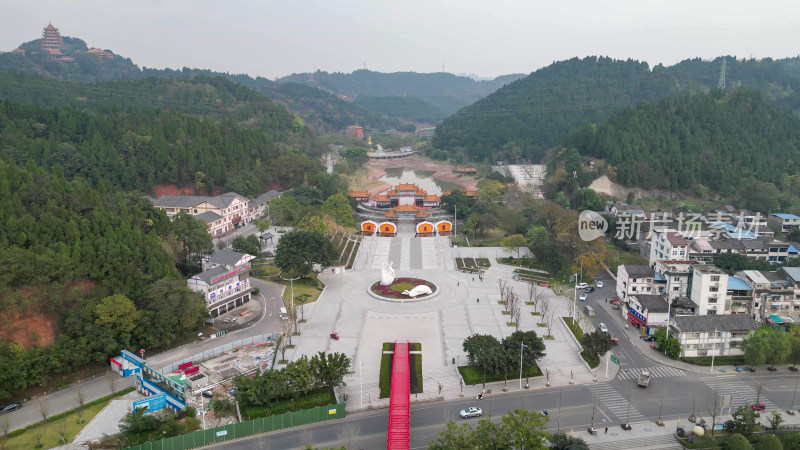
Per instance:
(284,315)
(589,310)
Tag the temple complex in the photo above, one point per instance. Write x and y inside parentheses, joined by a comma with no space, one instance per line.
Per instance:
(403,201)
(52,43)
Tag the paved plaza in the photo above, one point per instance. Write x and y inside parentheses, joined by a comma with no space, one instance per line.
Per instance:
(465,305)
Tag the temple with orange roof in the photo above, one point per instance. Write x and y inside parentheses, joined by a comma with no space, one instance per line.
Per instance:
(52,43)
(360,196)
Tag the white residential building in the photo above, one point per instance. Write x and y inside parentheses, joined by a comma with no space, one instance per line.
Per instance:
(634,279)
(649,311)
(225,284)
(674,276)
(712,335)
(784,223)
(667,244)
(708,286)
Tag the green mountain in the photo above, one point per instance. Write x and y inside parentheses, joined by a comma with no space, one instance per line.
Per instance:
(140,148)
(736,145)
(412,108)
(320,110)
(445,91)
(530,116)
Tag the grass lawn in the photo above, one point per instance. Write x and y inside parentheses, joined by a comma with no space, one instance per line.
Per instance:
(385,377)
(51,436)
(265,270)
(615,257)
(474,376)
(591,358)
(319,397)
(306,290)
(472,265)
(491,238)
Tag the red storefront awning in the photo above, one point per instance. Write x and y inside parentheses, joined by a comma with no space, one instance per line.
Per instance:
(635,319)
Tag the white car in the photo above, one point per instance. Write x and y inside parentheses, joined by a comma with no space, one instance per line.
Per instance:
(582,285)
(600,285)
(602,327)
(472,411)
(583,297)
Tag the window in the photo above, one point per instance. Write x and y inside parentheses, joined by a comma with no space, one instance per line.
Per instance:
(713,289)
(712,300)
(633,288)
(676,288)
(715,278)
(676,279)
(712,312)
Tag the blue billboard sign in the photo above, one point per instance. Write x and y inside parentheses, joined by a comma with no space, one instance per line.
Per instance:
(150,404)
(131,358)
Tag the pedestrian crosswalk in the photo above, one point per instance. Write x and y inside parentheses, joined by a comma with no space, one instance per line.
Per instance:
(663,442)
(615,403)
(655,372)
(742,393)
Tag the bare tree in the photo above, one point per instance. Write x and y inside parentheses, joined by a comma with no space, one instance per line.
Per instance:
(62,429)
(302,313)
(44,408)
(570,307)
(5,427)
(535,295)
(517,315)
(503,287)
(584,322)
(544,306)
(549,322)
(713,407)
(112,383)
(286,329)
(81,396)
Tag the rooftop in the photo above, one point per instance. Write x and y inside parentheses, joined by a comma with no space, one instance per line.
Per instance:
(737,284)
(792,272)
(785,216)
(227,257)
(638,270)
(208,217)
(675,239)
(653,303)
(720,322)
(708,268)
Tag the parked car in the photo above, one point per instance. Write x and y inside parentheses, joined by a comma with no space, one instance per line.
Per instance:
(602,327)
(757,406)
(589,290)
(583,297)
(544,284)
(614,306)
(600,284)
(472,411)
(10,407)
(208,394)
(582,285)
(648,338)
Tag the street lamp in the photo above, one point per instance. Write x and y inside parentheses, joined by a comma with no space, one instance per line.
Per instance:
(575,299)
(521,346)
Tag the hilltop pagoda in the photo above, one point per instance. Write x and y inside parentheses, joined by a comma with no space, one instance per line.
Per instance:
(51,40)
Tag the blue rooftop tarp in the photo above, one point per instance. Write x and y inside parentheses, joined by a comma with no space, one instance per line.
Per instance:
(786,216)
(776,319)
(737,284)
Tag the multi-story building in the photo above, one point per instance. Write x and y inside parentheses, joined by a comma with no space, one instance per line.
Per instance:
(783,223)
(739,297)
(648,311)
(667,244)
(707,288)
(354,131)
(225,282)
(672,277)
(792,275)
(222,213)
(633,279)
(712,335)
(773,292)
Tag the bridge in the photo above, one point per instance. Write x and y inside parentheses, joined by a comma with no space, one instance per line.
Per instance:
(400,400)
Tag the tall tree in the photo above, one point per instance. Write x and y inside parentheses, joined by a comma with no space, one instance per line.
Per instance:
(193,242)
(338,207)
(298,251)
(330,368)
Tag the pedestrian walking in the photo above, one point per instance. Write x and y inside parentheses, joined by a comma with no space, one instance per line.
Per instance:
(478,300)
(473,278)
(458,283)
(606,430)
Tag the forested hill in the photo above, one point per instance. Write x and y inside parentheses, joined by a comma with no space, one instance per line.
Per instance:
(212,97)
(527,117)
(446,91)
(137,149)
(321,110)
(739,143)
(65,248)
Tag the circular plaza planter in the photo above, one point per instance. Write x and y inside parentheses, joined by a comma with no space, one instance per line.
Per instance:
(394,291)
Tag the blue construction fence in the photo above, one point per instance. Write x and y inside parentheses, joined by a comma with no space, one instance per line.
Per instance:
(248,428)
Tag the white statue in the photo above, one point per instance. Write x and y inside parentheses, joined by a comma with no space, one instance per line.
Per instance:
(417,291)
(387,274)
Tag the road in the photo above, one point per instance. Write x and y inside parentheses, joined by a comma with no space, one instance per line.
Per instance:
(368,430)
(101,386)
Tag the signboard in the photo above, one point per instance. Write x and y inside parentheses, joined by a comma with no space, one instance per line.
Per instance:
(614,360)
(331,412)
(222,433)
(131,358)
(185,365)
(150,404)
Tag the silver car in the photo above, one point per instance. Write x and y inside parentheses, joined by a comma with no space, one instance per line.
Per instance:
(600,285)
(472,411)
(603,328)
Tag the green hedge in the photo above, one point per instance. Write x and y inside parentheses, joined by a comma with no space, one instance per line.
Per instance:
(315,398)
(472,375)
(718,360)
(590,357)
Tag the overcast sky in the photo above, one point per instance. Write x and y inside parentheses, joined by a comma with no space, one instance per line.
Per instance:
(484,37)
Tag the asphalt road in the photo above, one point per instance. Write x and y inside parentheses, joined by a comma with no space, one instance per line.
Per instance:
(668,398)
